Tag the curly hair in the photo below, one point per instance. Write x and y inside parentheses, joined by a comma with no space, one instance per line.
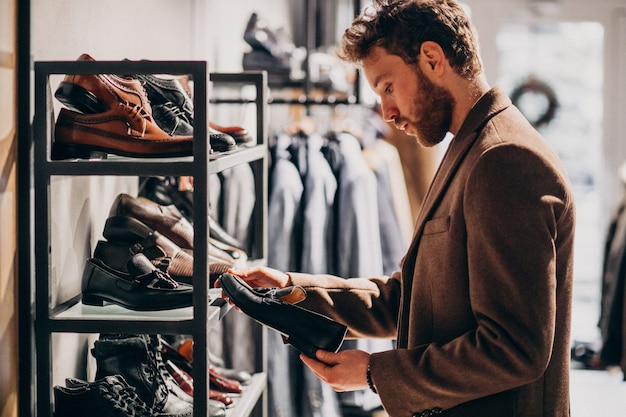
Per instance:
(401,26)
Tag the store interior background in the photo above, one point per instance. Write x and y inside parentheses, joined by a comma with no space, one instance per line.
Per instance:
(577,46)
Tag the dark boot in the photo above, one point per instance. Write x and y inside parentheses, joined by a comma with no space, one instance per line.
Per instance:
(131,357)
(107,397)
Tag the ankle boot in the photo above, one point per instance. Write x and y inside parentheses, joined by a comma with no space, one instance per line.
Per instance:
(107,397)
(131,357)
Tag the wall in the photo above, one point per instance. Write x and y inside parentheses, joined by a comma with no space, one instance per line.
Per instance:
(8,245)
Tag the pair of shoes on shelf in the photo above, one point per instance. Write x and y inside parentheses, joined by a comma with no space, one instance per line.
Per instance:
(185,381)
(305,330)
(272,51)
(167,191)
(170,222)
(226,380)
(138,359)
(127,236)
(185,353)
(174,111)
(106,397)
(107,113)
(139,225)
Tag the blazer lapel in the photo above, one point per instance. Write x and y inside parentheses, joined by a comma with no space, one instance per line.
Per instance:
(490,104)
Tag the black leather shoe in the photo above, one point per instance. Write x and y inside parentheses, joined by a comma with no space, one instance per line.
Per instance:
(220,141)
(305,330)
(171,120)
(163,90)
(111,396)
(143,288)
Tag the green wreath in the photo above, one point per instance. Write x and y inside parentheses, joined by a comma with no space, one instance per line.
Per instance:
(533,86)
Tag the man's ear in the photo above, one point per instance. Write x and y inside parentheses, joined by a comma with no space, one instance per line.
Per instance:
(433,57)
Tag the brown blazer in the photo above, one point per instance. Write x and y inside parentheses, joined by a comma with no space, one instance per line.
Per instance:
(481,307)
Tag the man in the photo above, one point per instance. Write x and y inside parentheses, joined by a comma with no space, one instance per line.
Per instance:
(481,305)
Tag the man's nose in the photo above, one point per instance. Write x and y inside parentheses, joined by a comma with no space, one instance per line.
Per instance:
(389,111)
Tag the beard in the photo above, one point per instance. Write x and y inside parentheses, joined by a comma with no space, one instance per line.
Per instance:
(434,105)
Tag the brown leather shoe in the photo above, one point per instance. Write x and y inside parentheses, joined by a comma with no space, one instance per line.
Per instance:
(125,130)
(166,220)
(97,93)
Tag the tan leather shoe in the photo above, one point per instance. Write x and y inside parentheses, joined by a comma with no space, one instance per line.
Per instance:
(126,130)
(97,93)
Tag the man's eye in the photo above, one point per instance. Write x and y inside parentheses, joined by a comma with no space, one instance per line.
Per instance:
(388,89)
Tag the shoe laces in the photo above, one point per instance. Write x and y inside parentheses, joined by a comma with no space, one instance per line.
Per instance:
(138,119)
(155,347)
(124,398)
(176,111)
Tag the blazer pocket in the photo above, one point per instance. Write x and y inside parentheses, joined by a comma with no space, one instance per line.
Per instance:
(437,225)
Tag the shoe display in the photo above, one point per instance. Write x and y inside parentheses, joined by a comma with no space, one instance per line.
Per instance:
(135,219)
(271,51)
(239,255)
(185,381)
(127,236)
(218,234)
(305,330)
(143,288)
(131,357)
(240,134)
(183,356)
(171,119)
(167,191)
(125,129)
(162,90)
(98,93)
(261,38)
(110,396)
(221,383)
(220,141)
(136,265)
(166,220)
(154,349)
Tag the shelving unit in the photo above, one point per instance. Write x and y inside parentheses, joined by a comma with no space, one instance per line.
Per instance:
(74,317)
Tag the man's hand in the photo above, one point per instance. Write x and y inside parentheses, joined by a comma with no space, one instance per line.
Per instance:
(261,276)
(343,371)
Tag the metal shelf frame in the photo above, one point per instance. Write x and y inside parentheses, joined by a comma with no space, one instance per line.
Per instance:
(72,316)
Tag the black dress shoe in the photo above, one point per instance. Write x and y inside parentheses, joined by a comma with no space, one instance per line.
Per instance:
(111,396)
(220,141)
(171,120)
(305,330)
(168,90)
(143,288)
